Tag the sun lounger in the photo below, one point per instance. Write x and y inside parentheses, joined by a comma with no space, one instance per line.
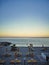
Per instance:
(2,62)
(18,61)
(30,54)
(31,61)
(18,54)
(12,62)
(6,55)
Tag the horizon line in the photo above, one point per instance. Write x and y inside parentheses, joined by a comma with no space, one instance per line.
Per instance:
(23,37)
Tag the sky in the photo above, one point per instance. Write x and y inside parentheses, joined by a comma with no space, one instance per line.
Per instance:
(24,18)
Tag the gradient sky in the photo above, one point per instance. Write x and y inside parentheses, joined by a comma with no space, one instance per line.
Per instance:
(28,18)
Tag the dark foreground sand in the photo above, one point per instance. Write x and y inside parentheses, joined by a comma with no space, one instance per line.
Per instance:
(24,58)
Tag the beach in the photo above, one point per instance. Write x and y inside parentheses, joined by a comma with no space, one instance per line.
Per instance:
(24,55)
(24,32)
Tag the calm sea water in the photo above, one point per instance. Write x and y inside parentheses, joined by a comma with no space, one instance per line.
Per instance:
(27,41)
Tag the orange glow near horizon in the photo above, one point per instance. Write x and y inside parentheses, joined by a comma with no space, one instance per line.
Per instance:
(24,35)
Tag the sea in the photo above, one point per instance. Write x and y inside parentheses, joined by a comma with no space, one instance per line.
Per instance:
(24,42)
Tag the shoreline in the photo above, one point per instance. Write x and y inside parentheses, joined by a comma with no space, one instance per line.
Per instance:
(23,45)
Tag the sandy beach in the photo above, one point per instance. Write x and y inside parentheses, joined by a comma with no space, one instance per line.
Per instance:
(24,55)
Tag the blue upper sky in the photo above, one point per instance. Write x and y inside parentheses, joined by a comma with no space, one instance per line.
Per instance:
(24,18)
